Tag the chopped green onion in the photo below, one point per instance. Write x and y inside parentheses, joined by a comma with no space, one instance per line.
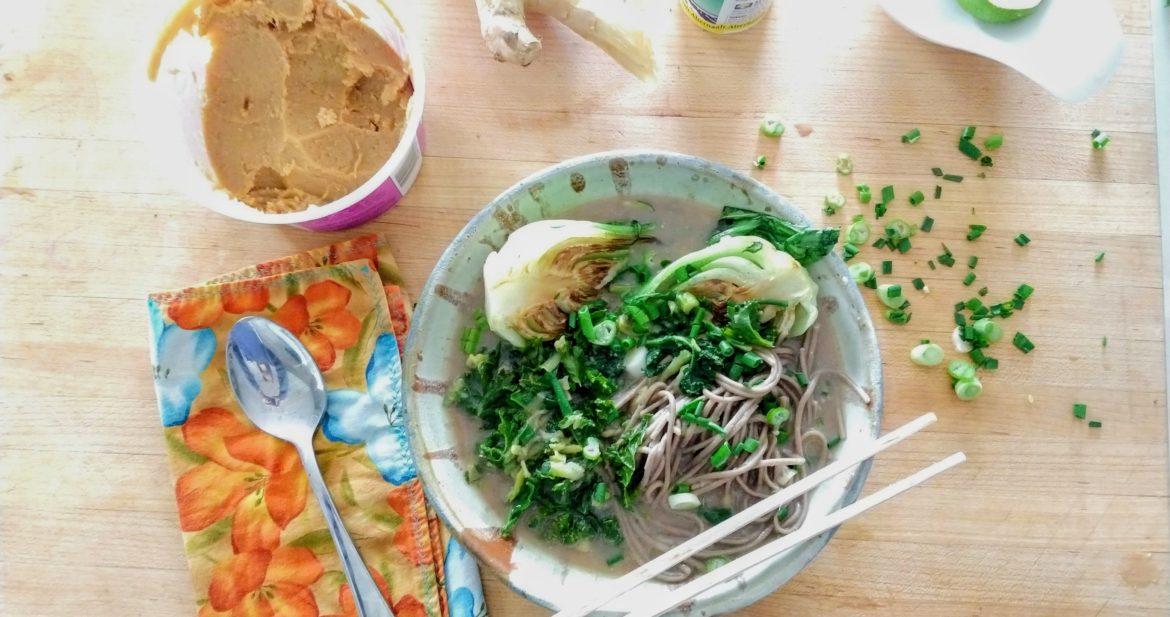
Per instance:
(911,136)
(1104,341)
(937,191)
(988,330)
(1080,410)
(983,291)
(600,493)
(928,354)
(849,251)
(778,416)
(760,161)
(858,232)
(888,193)
(972,261)
(714,563)
(844,164)
(1024,291)
(771,126)
(469,342)
(559,392)
(782,513)
(1100,140)
(927,224)
(891,296)
(750,359)
(961,370)
(833,203)
(861,272)
(976,231)
(930,264)
(748,445)
(968,390)
(887,267)
(879,210)
(568,470)
(916,198)
(720,457)
(684,501)
(715,515)
(1023,343)
(904,245)
(898,230)
(1094,424)
(871,283)
(833,443)
(970,278)
(614,560)
(680,488)
(897,316)
(1023,240)
(985,161)
(918,284)
(800,378)
(952,177)
(968,133)
(993,141)
(1099,257)
(937,171)
(879,243)
(971,150)
(946,260)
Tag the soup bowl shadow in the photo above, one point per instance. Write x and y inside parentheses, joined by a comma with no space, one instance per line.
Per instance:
(442,437)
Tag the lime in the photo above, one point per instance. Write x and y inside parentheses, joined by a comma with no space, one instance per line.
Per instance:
(1000,11)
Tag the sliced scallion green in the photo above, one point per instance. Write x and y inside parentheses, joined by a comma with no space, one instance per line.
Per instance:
(970,278)
(927,224)
(760,161)
(1094,424)
(861,272)
(968,133)
(720,457)
(952,177)
(833,203)
(961,370)
(971,150)
(911,136)
(1022,239)
(927,354)
(858,232)
(988,330)
(937,191)
(993,141)
(1023,343)
(916,198)
(891,296)
(888,193)
(918,284)
(1080,410)
(974,231)
(972,261)
(887,267)
(969,389)
(1099,257)
(771,126)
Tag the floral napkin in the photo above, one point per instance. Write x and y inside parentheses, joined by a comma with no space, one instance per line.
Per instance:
(256,542)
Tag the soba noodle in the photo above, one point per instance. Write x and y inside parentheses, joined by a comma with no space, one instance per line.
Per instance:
(676,452)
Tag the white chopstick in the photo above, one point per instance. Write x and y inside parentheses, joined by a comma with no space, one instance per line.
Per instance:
(767,506)
(809,530)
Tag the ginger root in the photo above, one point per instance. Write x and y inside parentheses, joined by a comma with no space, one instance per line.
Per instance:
(597,21)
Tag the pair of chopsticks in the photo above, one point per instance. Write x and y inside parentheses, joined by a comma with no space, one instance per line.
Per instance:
(808,530)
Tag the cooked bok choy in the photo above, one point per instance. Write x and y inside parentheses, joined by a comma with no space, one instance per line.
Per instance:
(547,270)
(742,269)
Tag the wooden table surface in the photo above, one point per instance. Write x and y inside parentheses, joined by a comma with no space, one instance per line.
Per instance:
(1048,517)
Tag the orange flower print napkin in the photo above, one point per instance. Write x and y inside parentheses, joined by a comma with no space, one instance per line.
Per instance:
(256,542)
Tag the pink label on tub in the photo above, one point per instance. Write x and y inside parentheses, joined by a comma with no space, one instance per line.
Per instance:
(380,199)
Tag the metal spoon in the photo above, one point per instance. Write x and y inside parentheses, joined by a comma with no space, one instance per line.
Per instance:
(277,383)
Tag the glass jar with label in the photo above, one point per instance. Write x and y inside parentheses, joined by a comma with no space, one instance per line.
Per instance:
(725,16)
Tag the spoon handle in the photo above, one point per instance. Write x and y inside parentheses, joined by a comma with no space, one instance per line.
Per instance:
(366,594)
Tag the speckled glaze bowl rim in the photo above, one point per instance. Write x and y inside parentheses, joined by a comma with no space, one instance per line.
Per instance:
(721,601)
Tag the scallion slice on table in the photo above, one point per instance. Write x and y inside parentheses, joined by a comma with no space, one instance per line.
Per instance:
(1099,257)
(1100,139)
(1080,410)
(911,136)
(937,171)
(993,141)
(937,191)
(970,278)
(863,194)
(760,161)
(927,224)
(897,316)
(844,164)
(1094,424)
(952,177)
(961,370)
(833,203)
(891,296)
(971,150)
(974,231)
(927,354)
(916,198)
(849,251)
(888,193)
(968,389)
(918,284)
(858,232)
(1022,239)
(1023,343)
(720,457)
(861,272)
(972,261)
(887,267)
(771,126)
(968,133)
